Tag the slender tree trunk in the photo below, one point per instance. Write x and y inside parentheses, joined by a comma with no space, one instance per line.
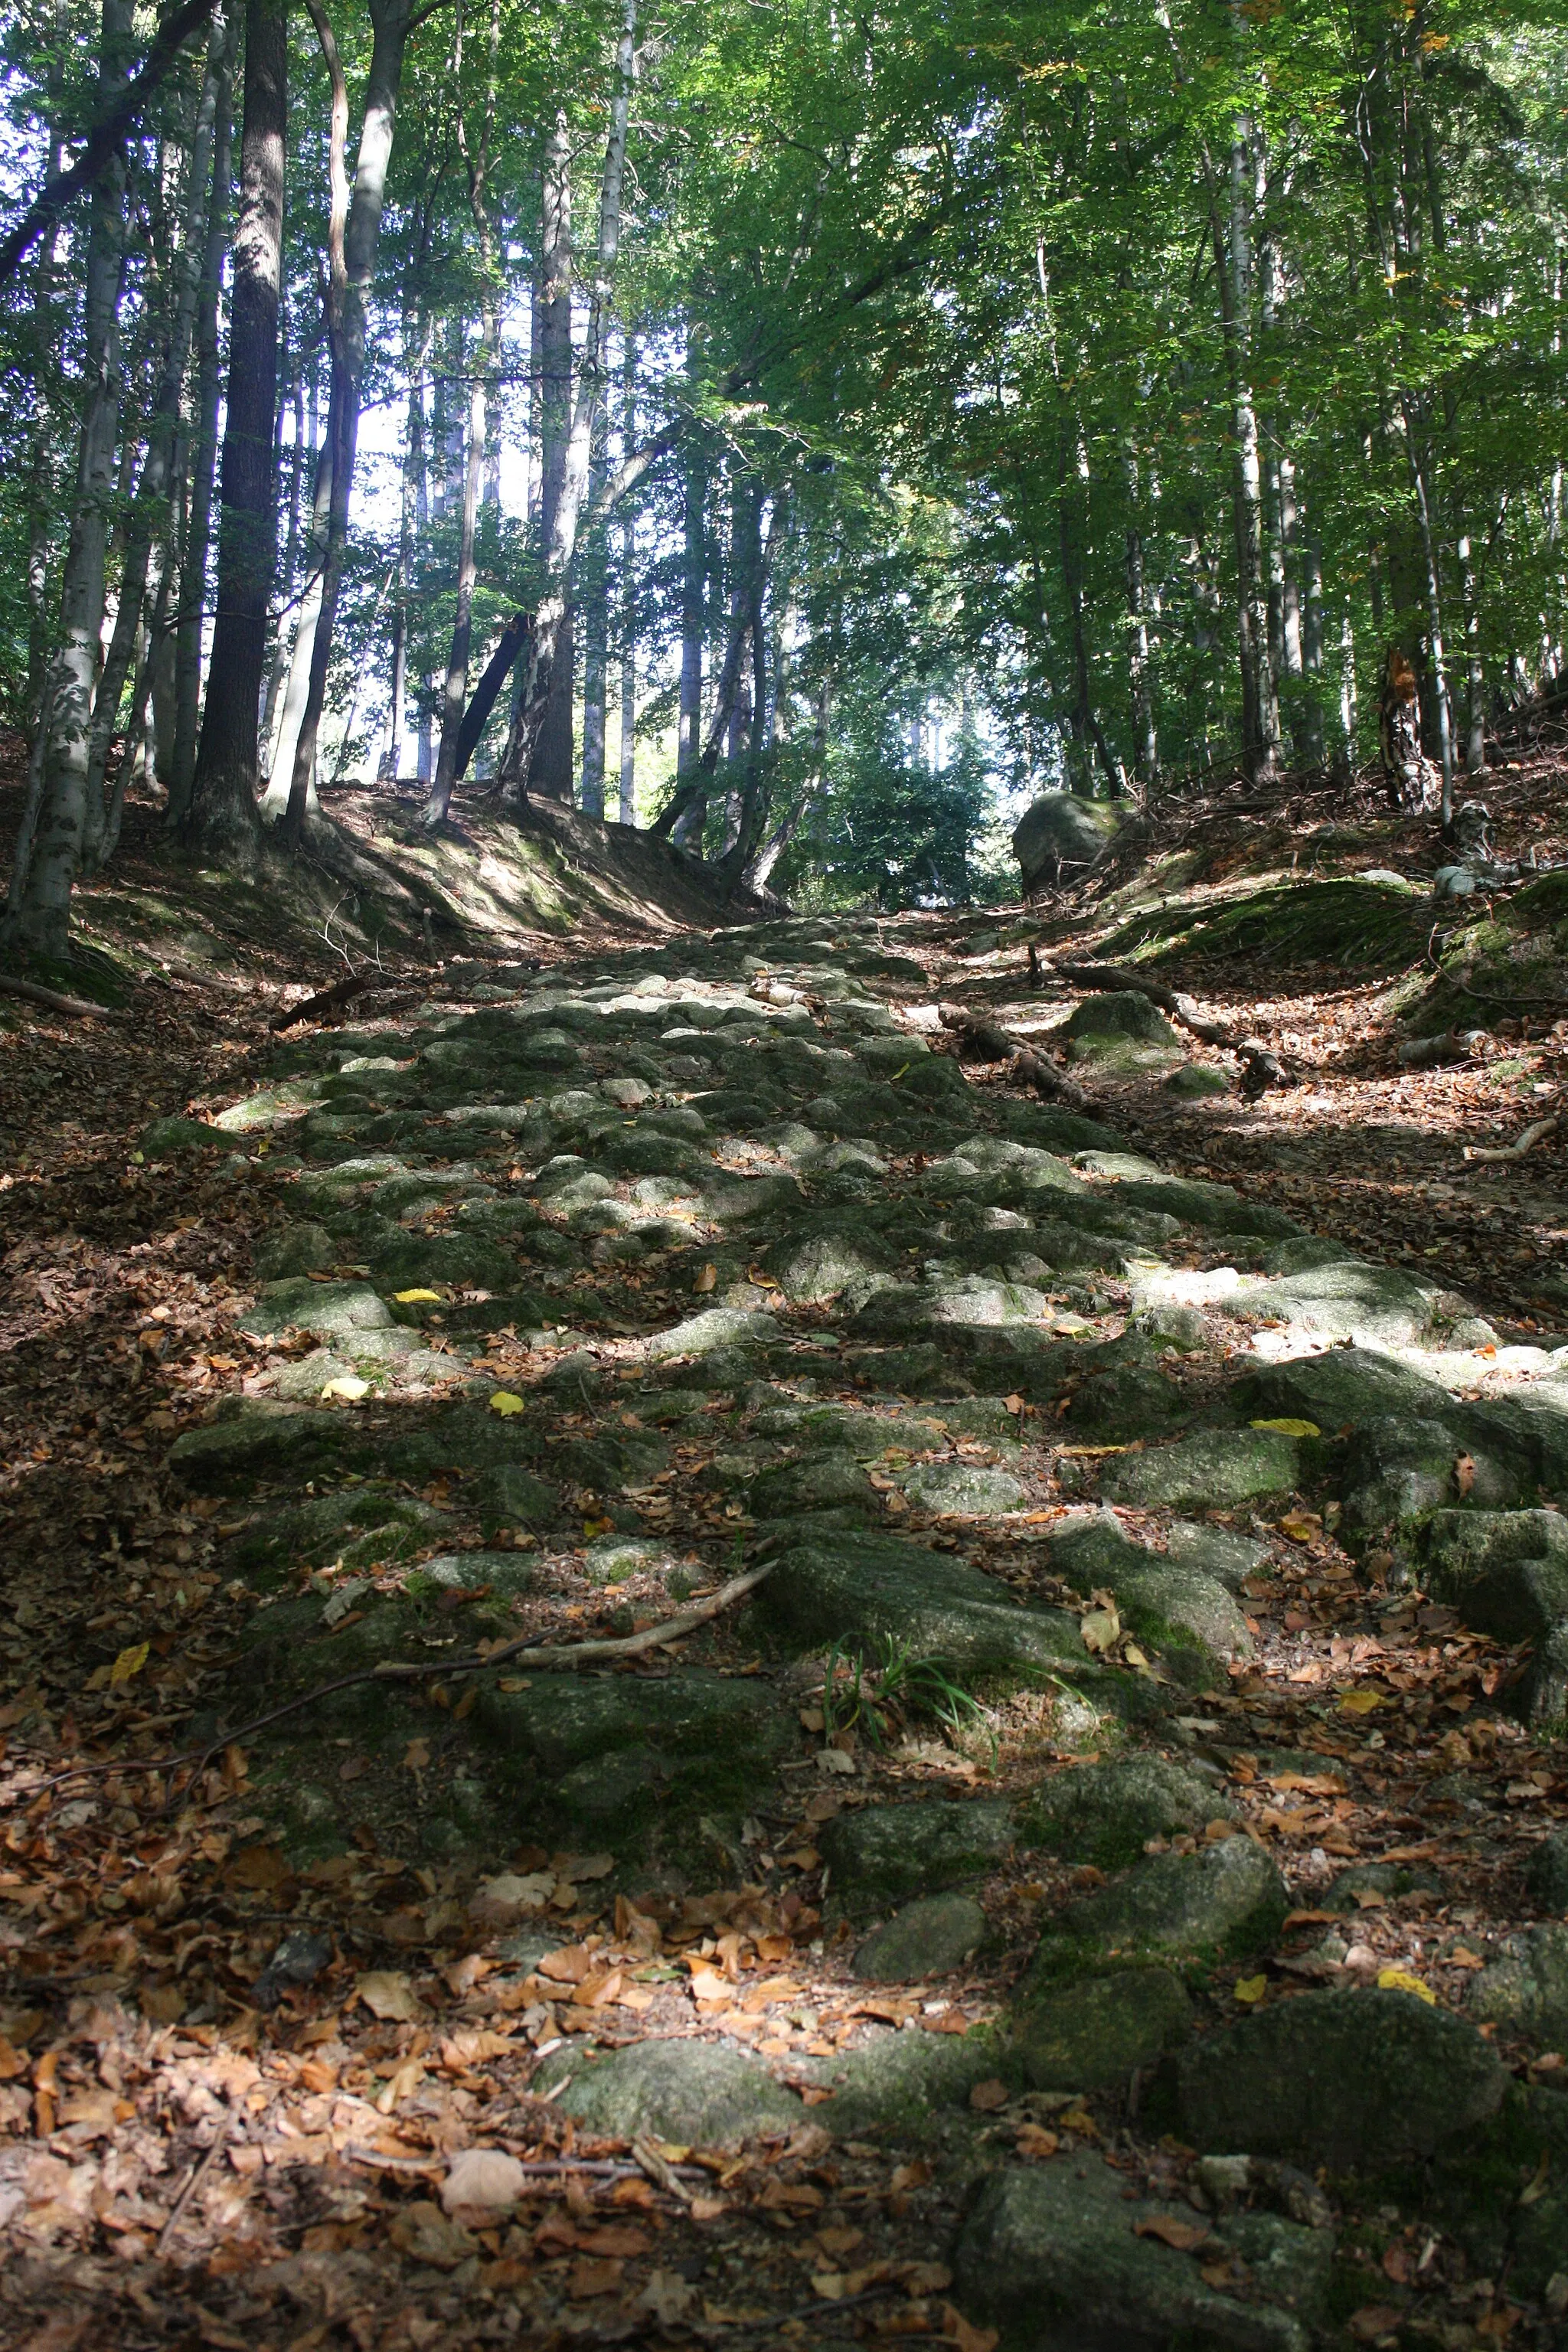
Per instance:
(456,689)
(1147,753)
(203,221)
(1418,484)
(550,772)
(221,814)
(39,912)
(628,607)
(45,375)
(545,644)
(596,609)
(204,469)
(1313,649)
(303,457)
(688,832)
(1259,716)
(353,266)
(1475,665)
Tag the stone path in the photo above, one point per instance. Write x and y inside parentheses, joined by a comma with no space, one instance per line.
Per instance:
(1098,1502)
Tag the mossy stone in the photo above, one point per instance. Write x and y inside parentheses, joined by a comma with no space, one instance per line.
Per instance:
(1212,1468)
(1106,1813)
(919,1847)
(1091,2033)
(927,1939)
(690,2092)
(1224,1900)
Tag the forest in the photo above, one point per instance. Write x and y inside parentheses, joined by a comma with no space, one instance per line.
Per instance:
(798,431)
(783,1233)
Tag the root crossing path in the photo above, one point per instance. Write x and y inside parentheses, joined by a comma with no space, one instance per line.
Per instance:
(1099,1885)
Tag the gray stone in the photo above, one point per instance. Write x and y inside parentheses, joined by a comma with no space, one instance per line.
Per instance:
(562,1719)
(963,1489)
(719,1326)
(1120,1012)
(165,1136)
(1052,2254)
(1062,830)
(505,1573)
(1106,1813)
(1090,2034)
(296,1250)
(1224,1900)
(1216,1467)
(919,1847)
(690,2092)
(1212,1208)
(1525,1989)
(509,1496)
(1230,1559)
(1124,1402)
(1505,1572)
(828,1266)
(1343,1385)
(867,1589)
(1346,2079)
(611,1559)
(255,1439)
(1166,1599)
(816,1483)
(331,1310)
(1350,1301)
(1546,1872)
(928,1939)
(903,2085)
(1195,1080)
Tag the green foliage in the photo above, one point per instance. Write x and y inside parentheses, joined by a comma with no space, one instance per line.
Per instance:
(876,1694)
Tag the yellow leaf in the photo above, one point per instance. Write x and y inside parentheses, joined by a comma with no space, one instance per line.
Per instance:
(503,1402)
(707,1279)
(417,1297)
(1289,1426)
(1360,1702)
(348,1386)
(1250,1989)
(1401,1980)
(129,1663)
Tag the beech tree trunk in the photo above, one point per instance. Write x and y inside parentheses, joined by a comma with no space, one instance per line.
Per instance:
(221,815)
(550,771)
(38,915)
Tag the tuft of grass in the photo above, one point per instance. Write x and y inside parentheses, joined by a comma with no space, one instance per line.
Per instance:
(879,1690)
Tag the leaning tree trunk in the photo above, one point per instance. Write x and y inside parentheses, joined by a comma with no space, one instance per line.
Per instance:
(391,21)
(220,814)
(39,913)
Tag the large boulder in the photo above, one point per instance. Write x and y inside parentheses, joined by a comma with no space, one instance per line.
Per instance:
(1060,830)
(687,2091)
(1346,2079)
(1088,2035)
(1069,2258)
(916,1848)
(1106,1813)
(1224,1900)
(1120,1012)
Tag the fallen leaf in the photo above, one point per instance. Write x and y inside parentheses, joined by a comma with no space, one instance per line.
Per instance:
(1464,1472)
(1360,1702)
(963,2337)
(503,1402)
(707,1278)
(592,2274)
(987,2096)
(416,1755)
(1401,1980)
(387,1994)
(1372,2320)
(1251,1990)
(349,1386)
(1100,1628)
(426,2234)
(667,2297)
(1288,1425)
(482,2177)
(417,1297)
(129,1663)
(1183,2235)
(1035,2140)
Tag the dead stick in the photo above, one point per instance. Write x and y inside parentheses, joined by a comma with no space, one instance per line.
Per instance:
(1264,1068)
(326,1000)
(199,2173)
(546,1655)
(1532,1135)
(987,1041)
(81,1007)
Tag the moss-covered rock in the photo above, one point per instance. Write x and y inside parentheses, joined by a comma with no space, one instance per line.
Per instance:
(930,1937)
(1106,1813)
(1091,2033)
(920,1847)
(1224,1900)
(1212,1469)
(1347,2079)
(693,2093)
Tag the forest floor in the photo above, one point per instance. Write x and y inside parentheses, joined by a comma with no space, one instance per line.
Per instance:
(499,1313)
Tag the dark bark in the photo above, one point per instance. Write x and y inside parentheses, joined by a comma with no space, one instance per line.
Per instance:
(222,811)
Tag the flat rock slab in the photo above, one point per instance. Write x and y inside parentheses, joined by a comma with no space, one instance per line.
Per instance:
(1054,2256)
(1090,2034)
(924,1846)
(1106,1813)
(1212,1468)
(1224,1899)
(875,1588)
(689,2092)
(1346,2079)
(928,1939)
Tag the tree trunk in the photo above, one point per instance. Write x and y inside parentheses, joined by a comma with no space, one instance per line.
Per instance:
(390,21)
(46,373)
(1475,667)
(1146,755)
(628,609)
(550,772)
(204,219)
(39,912)
(1260,715)
(204,467)
(221,814)
(456,690)
(596,608)
(303,459)
(688,832)
(1313,649)
(545,646)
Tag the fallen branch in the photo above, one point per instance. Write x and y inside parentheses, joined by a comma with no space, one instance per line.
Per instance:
(326,1000)
(1261,1068)
(1453,1045)
(1095,976)
(546,1655)
(982,1041)
(81,1007)
(1531,1135)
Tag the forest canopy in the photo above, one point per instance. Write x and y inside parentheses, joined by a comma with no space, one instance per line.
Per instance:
(803,430)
